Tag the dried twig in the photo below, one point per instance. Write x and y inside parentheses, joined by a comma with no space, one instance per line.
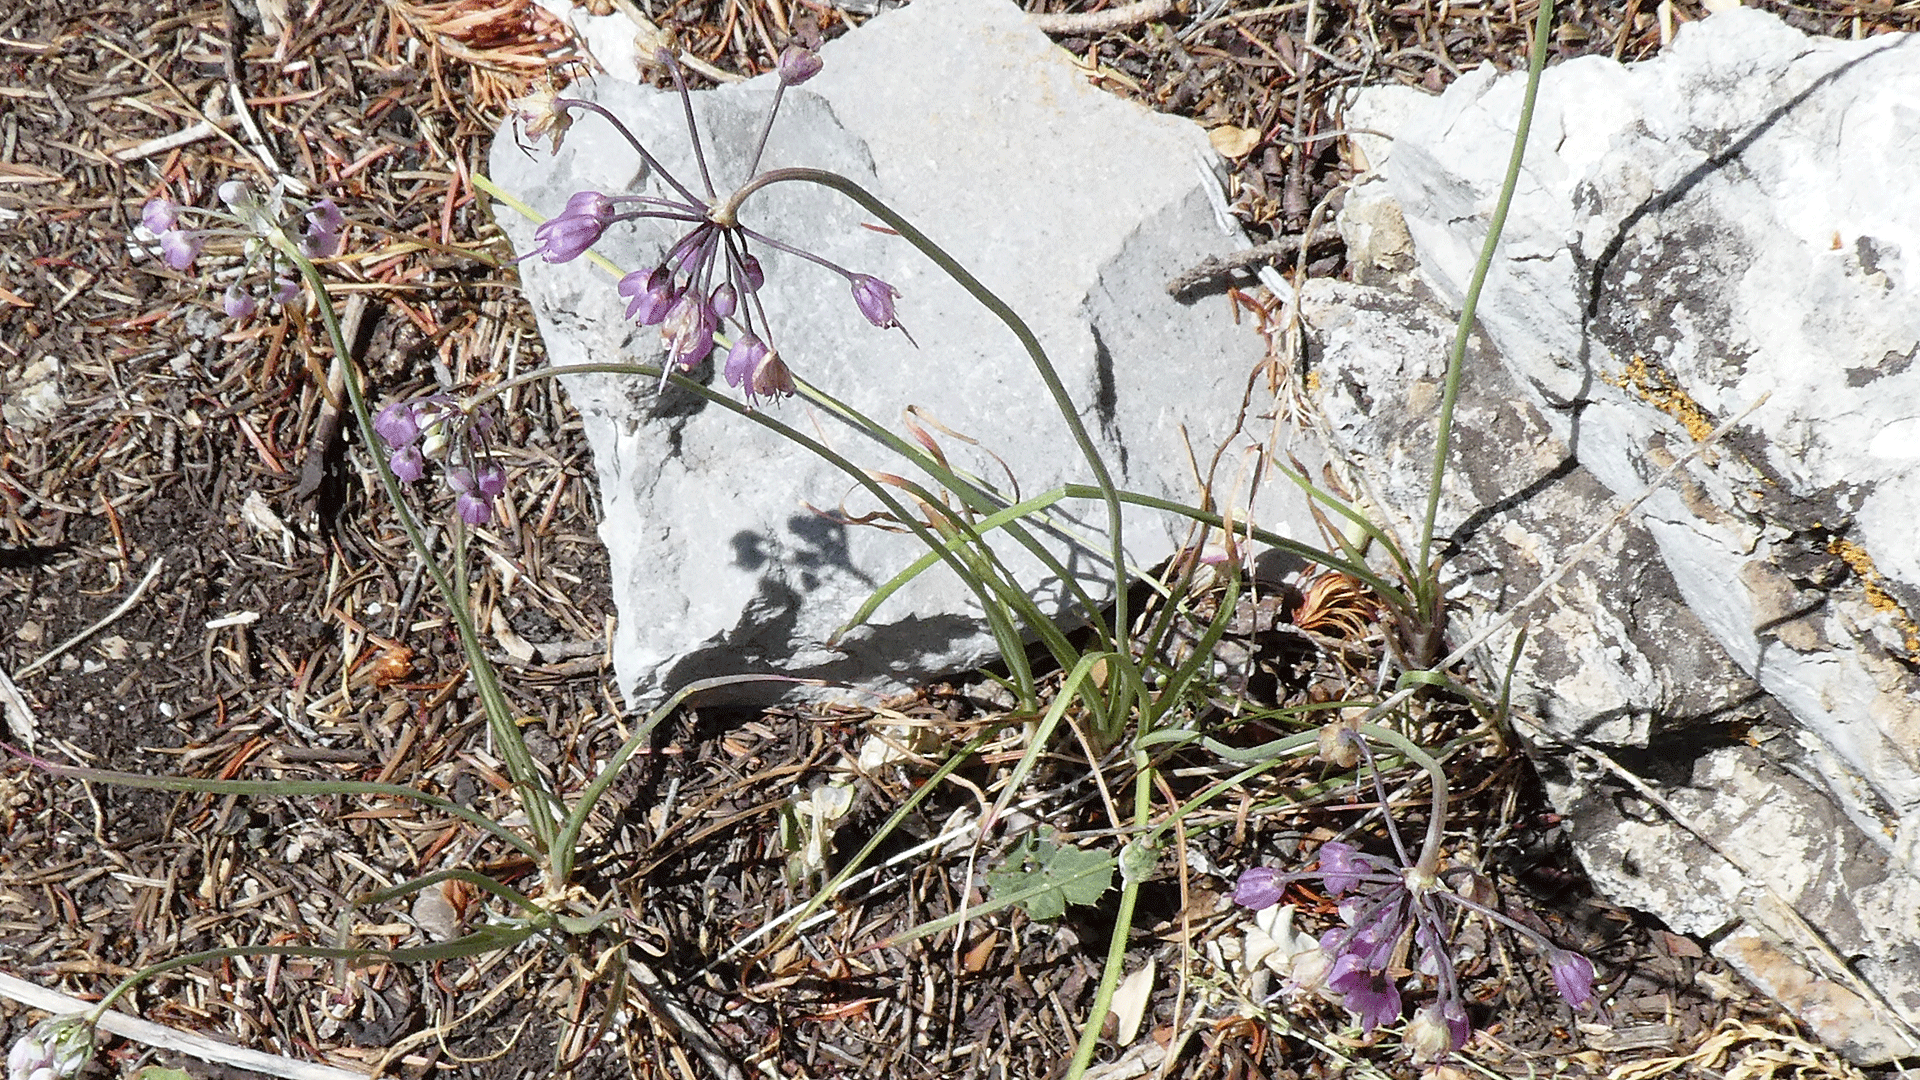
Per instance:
(126,605)
(1104,22)
(166,1038)
(1278,249)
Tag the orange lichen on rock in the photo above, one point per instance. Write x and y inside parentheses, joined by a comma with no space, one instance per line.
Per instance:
(1659,388)
(1874,586)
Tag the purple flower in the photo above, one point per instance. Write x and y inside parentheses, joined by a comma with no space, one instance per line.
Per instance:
(473,501)
(397,424)
(179,247)
(756,367)
(743,358)
(724,300)
(568,235)
(751,275)
(1572,976)
(237,303)
(285,290)
(159,215)
(52,1049)
(798,64)
(490,480)
(1366,992)
(408,464)
(650,294)
(325,216)
(875,300)
(688,330)
(321,239)
(1260,887)
(472,509)
(1342,866)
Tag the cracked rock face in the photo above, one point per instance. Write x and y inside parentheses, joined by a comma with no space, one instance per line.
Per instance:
(731,550)
(1726,232)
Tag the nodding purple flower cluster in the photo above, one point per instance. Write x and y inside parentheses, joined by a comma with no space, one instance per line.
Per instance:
(710,277)
(250,218)
(1382,903)
(438,429)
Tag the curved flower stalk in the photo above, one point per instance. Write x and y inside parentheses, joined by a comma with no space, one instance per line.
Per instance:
(710,279)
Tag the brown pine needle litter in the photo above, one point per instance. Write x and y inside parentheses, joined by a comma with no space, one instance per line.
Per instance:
(288,633)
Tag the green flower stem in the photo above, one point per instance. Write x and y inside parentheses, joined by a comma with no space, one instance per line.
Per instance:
(1457,357)
(977,497)
(1116,961)
(537,798)
(1007,315)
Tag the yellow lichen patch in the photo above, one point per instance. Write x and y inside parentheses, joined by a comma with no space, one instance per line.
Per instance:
(1874,586)
(1653,383)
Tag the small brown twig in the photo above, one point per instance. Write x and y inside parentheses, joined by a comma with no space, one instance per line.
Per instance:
(1279,249)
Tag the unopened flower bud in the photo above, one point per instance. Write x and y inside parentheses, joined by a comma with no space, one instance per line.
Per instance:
(752,276)
(875,300)
(159,215)
(569,234)
(798,64)
(237,302)
(1259,887)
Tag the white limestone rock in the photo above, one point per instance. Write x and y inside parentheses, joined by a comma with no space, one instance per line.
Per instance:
(1729,222)
(1074,206)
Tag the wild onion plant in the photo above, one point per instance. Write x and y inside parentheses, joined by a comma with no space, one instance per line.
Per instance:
(1127,687)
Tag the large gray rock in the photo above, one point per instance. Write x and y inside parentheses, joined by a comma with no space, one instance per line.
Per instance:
(1731,221)
(1074,206)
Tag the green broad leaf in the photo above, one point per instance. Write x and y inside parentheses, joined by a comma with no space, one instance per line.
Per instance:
(1043,877)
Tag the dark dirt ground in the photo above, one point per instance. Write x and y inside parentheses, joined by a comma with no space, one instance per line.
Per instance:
(279,627)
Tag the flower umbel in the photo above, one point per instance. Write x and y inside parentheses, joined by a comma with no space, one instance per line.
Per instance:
(263,230)
(1384,906)
(436,428)
(707,287)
